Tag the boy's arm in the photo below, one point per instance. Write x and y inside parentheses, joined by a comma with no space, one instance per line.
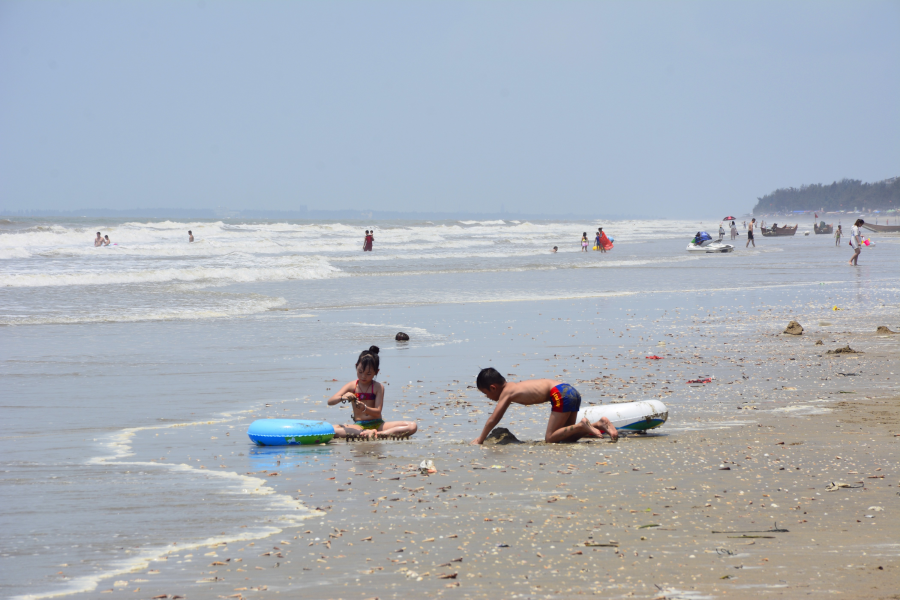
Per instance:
(493,420)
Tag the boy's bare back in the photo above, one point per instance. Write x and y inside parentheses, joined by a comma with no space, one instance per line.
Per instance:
(530,391)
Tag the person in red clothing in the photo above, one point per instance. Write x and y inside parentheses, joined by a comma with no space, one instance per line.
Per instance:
(370,237)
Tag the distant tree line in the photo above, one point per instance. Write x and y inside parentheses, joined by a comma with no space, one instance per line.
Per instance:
(846,194)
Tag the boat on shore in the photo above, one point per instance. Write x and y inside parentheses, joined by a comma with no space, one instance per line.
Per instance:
(881,228)
(823,228)
(778,231)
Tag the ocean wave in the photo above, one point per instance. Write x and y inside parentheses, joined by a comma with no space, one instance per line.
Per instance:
(8,253)
(302,268)
(236,308)
(285,512)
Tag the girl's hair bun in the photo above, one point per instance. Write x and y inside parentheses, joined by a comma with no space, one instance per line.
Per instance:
(368,358)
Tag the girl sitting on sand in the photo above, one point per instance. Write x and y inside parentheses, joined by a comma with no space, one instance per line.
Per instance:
(367,399)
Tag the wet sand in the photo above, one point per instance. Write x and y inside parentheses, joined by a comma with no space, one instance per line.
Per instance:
(728,499)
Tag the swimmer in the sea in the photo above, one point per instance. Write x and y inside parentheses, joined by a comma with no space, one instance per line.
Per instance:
(564,404)
(190,236)
(98,241)
(106,241)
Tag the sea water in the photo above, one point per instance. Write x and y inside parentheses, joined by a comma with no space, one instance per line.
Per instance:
(129,372)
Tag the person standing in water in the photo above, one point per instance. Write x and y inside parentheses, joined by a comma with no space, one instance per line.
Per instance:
(750,239)
(584,242)
(837,236)
(106,241)
(190,236)
(721,232)
(98,241)
(856,241)
(370,237)
(733,230)
(605,244)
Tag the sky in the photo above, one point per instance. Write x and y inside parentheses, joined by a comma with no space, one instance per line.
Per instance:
(653,108)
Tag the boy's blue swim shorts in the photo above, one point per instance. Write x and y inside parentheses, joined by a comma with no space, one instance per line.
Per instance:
(564,398)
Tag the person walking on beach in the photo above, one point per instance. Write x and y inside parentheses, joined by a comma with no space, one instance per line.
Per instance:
(564,404)
(98,241)
(190,236)
(733,230)
(721,232)
(837,236)
(856,241)
(750,239)
(584,242)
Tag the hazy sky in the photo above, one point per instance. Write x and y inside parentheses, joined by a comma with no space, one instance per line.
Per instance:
(657,108)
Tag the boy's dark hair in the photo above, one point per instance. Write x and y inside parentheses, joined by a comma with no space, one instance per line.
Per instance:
(368,358)
(488,377)
(859,222)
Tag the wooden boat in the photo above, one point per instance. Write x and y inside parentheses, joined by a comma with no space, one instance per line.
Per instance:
(882,228)
(823,228)
(778,231)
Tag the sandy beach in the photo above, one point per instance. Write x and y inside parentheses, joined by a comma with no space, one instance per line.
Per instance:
(731,498)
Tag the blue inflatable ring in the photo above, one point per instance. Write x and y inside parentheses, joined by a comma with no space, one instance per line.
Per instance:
(289,432)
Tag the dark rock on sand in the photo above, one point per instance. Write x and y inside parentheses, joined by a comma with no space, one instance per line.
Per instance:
(501,436)
(794,328)
(402,337)
(845,350)
(883,329)
(820,343)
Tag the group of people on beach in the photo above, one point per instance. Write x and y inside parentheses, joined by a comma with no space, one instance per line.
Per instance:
(601,242)
(856,241)
(366,398)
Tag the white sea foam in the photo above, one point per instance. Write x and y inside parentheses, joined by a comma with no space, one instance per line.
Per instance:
(289,269)
(232,307)
(290,512)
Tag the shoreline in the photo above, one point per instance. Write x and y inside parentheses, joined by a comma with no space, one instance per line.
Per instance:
(526,520)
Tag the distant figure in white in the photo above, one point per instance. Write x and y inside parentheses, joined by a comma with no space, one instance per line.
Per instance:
(190,236)
(733,230)
(98,241)
(721,232)
(856,240)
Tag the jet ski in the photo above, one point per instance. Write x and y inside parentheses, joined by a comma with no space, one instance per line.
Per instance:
(703,242)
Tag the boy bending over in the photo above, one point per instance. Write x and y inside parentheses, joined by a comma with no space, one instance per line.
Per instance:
(564,400)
